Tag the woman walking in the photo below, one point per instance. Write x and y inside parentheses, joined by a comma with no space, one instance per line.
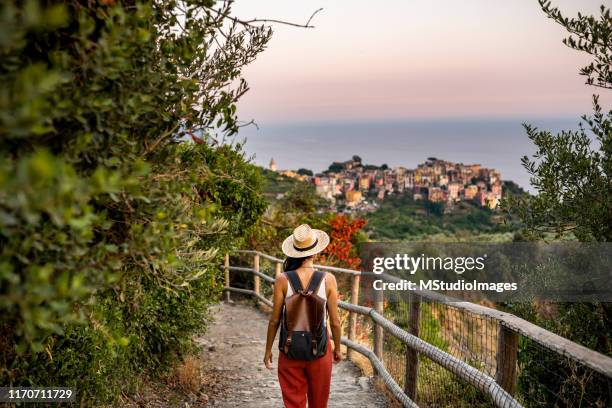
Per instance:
(303,301)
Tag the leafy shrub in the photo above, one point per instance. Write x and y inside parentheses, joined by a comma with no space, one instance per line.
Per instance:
(111,224)
(572,383)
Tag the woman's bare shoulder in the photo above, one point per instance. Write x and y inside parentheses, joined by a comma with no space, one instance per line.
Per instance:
(282,283)
(282,278)
(330,278)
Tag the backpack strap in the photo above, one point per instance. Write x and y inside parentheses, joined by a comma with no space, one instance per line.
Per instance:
(294,281)
(296,284)
(315,281)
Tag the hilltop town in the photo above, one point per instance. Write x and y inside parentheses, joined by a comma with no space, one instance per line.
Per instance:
(356,186)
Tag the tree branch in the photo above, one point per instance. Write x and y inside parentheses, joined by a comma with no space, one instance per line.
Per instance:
(265,20)
(165,135)
(270,20)
(599,85)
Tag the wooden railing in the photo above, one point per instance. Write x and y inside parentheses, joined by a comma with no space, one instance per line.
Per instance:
(499,389)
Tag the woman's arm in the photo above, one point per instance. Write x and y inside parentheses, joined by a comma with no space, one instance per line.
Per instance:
(280,286)
(334,318)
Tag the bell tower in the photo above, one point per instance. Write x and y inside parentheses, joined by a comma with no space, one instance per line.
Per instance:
(272,165)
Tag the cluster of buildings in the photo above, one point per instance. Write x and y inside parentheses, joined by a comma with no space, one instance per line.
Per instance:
(287,173)
(352,183)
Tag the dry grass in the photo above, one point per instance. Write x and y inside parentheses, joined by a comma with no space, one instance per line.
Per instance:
(189,384)
(188,375)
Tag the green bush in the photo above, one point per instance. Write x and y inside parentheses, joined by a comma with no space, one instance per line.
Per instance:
(547,379)
(112,225)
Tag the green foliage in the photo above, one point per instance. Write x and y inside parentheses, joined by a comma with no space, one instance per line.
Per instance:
(571,172)
(434,208)
(298,204)
(335,168)
(111,224)
(305,172)
(510,188)
(573,180)
(302,199)
(591,35)
(572,384)
(401,218)
(276,184)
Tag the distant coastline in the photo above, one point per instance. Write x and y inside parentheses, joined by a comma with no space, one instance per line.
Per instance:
(496,143)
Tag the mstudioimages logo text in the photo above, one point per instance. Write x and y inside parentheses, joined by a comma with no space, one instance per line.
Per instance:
(440,285)
(411,264)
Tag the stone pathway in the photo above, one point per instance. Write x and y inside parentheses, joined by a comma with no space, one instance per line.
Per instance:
(235,343)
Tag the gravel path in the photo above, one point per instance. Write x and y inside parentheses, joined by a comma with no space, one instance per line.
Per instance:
(234,345)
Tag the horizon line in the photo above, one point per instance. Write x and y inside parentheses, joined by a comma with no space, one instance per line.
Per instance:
(343,121)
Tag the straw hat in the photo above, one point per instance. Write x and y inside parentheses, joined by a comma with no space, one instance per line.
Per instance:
(304,242)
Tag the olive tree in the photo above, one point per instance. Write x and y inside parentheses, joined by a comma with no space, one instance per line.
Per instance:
(571,171)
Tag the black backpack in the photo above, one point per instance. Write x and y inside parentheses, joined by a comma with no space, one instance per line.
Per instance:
(303,334)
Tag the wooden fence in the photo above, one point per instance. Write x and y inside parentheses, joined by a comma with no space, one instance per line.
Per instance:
(500,388)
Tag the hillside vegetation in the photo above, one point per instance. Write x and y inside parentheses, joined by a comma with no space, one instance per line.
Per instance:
(275,184)
(402,218)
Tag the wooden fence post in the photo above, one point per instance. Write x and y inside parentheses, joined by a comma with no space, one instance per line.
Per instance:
(507,352)
(227,277)
(278,269)
(352,332)
(378,330)
(412,357)
(255,277)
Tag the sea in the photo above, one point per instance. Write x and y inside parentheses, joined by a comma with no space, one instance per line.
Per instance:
(493,143)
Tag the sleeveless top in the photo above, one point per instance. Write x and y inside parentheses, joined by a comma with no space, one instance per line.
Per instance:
(322,293)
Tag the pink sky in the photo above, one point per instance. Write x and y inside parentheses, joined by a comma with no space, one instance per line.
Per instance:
(398,59)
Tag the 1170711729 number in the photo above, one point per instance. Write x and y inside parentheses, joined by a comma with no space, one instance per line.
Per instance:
(36,394)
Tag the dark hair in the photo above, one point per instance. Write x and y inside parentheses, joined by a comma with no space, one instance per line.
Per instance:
(291,264)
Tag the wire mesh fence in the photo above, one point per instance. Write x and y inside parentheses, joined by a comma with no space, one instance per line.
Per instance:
(548,379)
(469,338)
(545,378)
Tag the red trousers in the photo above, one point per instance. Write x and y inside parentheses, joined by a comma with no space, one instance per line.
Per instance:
(302,379)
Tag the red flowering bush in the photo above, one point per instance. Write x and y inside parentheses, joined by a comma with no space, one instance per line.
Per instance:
(341,251)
